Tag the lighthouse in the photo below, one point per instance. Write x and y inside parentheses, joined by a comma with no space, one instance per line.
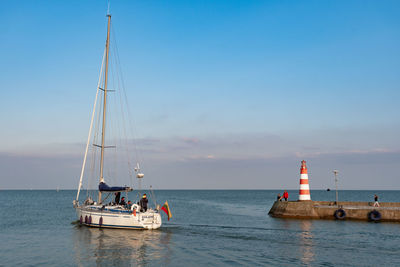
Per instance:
(304,193)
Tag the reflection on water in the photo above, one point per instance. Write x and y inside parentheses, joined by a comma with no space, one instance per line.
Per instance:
(119,247)
(306,242)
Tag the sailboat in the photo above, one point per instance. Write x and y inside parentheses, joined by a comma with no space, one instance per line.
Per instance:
(111,212)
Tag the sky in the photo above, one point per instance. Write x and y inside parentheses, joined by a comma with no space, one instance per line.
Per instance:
(225,94)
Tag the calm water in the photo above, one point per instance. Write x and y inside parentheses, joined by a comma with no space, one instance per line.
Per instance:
(209,228)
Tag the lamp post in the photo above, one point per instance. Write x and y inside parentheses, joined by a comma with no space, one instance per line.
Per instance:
(337,198)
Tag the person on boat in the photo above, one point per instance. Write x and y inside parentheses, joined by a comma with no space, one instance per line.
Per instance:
(117,196)
(123,203)
(376,204)
(143,203)
(285,195)
(89,201)
(129,205)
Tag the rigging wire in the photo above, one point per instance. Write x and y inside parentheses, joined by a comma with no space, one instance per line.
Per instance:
(131,122)
(153,196)
(96,136)
(90,131)
(123,119)
(113,122)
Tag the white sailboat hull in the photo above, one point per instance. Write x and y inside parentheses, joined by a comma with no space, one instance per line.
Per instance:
(111,217)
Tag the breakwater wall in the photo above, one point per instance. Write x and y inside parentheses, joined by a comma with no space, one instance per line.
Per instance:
(388,211)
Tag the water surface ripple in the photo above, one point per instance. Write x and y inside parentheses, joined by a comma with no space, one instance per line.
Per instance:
(209,228)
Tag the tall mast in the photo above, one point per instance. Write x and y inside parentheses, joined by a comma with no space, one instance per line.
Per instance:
(103,132)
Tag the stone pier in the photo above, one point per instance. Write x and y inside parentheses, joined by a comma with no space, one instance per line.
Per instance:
(388,211)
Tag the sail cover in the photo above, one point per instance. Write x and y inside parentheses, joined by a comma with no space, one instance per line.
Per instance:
(104,187)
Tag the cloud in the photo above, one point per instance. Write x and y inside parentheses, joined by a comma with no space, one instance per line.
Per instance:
(198,157)
(222,161)
(372,156)
(192,141)
(38,171)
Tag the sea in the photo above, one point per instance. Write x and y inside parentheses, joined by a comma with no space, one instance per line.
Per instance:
(208,228)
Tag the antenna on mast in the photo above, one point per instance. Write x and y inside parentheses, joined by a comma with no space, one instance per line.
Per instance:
(108,7)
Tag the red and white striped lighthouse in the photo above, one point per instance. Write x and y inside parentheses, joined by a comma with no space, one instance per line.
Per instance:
(304,193)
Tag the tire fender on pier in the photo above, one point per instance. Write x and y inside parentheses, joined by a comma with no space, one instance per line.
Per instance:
(340,214)
(374,216)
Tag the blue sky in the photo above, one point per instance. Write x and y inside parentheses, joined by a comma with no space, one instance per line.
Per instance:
(227,94)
